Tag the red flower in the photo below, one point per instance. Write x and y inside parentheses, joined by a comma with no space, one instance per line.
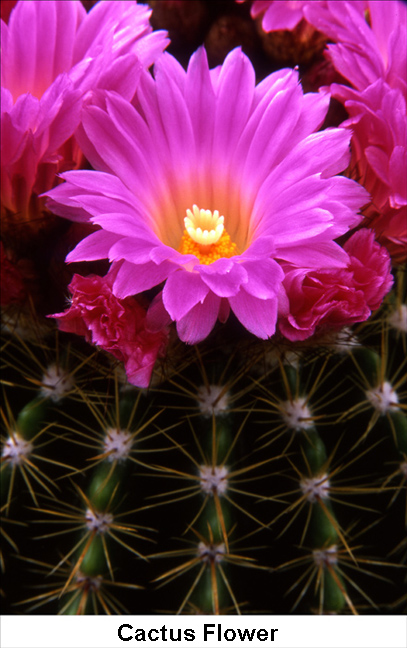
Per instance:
(370,265)
(323,299)
(116,325)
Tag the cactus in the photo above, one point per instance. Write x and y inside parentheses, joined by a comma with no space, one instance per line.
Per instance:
(246,467)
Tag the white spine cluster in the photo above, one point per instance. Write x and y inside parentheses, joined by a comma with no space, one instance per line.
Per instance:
(211,553)
(56,383)
(296,414)
(88,582)
(212,400)
(345,341)
(16,449)
(214,479)
(383,398)
(398,318)
(325,557)
(315,488)
(117,444)
(99,522)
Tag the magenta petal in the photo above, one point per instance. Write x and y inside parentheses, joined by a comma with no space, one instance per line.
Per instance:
(223,277)
(78,198)
(199,322)
(200,99)
(280,15)
(129,225)
(315,254)
(132,249)
(182,291)
(93,247)
(133,279)
(259,316)
(174,112)
(264,278)
(262,248)
(398,174)
(113,147)
(234,97)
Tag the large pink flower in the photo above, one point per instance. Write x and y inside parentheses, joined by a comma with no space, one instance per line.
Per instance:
(116,325)
(52,53)
(321,300)
(206,183)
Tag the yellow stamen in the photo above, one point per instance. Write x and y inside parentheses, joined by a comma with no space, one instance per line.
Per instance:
(205,236)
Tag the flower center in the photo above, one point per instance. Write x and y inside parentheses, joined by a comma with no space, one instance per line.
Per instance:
(205,236)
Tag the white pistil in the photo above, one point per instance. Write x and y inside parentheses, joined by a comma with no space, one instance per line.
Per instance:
(315,488)
(383,398)
(213,480)
(203,226)
(16,449)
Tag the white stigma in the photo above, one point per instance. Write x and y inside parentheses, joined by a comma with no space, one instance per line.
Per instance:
(211,553)
(99,522)
(315,488)
(212,400)
(296,414)
(325,557)
(213,480)
(16,449)
(117,444)
(203,226)
(56,383)
(383,398)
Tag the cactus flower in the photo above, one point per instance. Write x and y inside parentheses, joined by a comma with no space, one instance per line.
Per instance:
(118,326)
(206,183)
(325,299)
(52,54)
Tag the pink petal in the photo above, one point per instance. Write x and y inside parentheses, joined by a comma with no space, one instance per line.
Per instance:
(315,254)
(264,278)
(182,291)
(95,246)
(234,98)
(258,316)
(200,100)
(133,279)
(200,320)
(223,277)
